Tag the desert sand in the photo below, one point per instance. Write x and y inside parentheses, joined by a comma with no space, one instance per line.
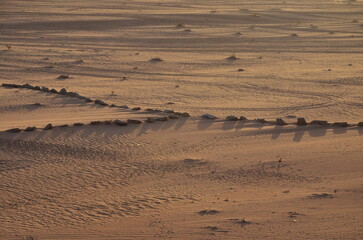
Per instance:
(181,177)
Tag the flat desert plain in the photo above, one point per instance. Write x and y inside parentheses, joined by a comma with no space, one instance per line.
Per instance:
(175,175)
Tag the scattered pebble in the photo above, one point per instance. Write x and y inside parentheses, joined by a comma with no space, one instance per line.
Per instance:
(208,212)
(63,76)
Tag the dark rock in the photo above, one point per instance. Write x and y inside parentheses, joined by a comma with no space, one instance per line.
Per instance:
(113,105)
(149,110)
(120,123)
(88,100)
(72,94)
(95,123)
(28,86)
(150,120)
(53,91)
(340,124)
(124,106)
(100,102)
(260,120)
(38,104)
(107,122)
(14,130)
(45,89)
(319,122)
(169,111)
(301,122)
(208,212)
(81,97)
(7,85)
(136,109)
(78,124)
(232,118)
(241,70)
(280,121)
(173,116)
(242,118)
(48,127)
(131,121)
(37,88)
(157,110)
(360,124)
(162,119)
(320,195)
(183,114)
(64,125)
(63,91)
(208,116)
(63,76)
(30,129)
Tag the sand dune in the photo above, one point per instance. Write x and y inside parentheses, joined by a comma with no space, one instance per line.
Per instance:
(188,177)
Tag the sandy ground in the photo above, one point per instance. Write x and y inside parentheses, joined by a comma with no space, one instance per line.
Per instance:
(185,178)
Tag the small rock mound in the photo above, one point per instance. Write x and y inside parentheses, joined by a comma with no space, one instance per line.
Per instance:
(260,120)
(173,116)
(95,123)
(48,127)
(30,129)
(120,123)
(280,121)
(208,116)
(169,111)
(232,118)
(341,124)
(27,85)
(150,120)
(78,124)
(132,121)
(182,114)
(63,91)
(320,122)
(14,130)
(100,102)
(162,119)
(301,122)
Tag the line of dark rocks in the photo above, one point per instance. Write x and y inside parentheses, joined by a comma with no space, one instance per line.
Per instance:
(174,115)
(93,123)
(64,92)
(281,122)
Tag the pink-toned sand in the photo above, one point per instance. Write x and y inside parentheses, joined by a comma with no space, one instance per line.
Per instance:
(186,178)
